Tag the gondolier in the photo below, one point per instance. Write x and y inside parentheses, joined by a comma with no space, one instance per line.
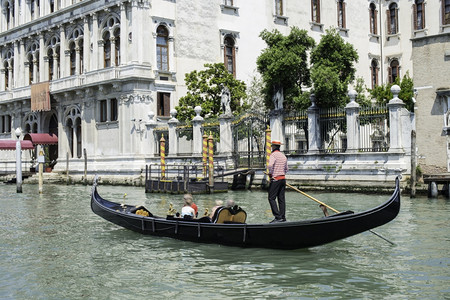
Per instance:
(277,172)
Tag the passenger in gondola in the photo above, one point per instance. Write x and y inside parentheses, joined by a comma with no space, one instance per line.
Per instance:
(230,203)
(193,205)
(219,204)
(187,209)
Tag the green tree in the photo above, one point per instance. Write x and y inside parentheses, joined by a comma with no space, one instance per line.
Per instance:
(382,93)
(205,89)
(332,69)
(284,64)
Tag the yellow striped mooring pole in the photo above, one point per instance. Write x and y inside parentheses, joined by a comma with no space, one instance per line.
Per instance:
(211,163)
(268,147)
(205,155)
(162,149)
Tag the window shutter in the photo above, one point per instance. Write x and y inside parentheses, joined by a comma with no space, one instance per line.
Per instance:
(166,104)
(318,11)
(415,16)
(389,74)
(234,62)
(375,22)
(344,7)
(396,20)
(423,15)
(388,21)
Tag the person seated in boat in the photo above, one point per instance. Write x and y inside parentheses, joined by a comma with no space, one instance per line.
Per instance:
(219,204)
(193,205)
(230,203)
(187,209)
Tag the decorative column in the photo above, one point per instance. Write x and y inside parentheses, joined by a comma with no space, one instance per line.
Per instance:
(45,75)
(21,68)
(62,51)
(2,79)
(135,49)
(352,112)
(151,125)
(123,34)
(77,60)
(86,45)
(197,122)
(16,66)
(67,66)
(35,70)
(100,53)
(27,72)
(173,134)
(94,61)
(395,127)
(313,126)
(276,124)
(113,51)
(226,138)
(42,53)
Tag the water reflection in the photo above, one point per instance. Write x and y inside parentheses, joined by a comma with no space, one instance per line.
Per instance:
(54,247)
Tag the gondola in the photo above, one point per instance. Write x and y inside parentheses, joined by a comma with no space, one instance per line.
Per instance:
(228,227)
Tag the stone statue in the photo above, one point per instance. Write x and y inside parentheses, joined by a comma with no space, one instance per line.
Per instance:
(278,97)
(225,100)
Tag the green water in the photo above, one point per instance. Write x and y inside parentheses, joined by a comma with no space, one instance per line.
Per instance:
(54,247)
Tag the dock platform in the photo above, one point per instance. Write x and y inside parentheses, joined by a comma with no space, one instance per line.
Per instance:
(433,180)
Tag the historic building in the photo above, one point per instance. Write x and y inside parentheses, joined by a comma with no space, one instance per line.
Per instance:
(95,72)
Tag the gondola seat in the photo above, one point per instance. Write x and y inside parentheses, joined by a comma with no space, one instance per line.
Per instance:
(227,215)
(141,210)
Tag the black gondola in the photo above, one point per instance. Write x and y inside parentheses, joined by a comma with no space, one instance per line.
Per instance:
(230,227)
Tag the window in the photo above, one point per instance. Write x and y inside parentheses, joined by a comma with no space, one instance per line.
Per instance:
(32,9)
(230,55)
(9,13)
(50,64)
(394,70)
(117,47)
(163,105)
(52,6)
(5,124)
(419,15)
(108,110)
(315,11)
(445,12)
(228,2)
(73,58)
(279,7)
(341,13)
(30,69)
(392,18)
(374,73)
(162,48)
(5,69)
(106,50)
(373,19)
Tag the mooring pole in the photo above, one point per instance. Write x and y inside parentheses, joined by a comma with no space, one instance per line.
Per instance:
(162,149)
(268,147)
(18,161)
(41,160)
(67,167)
(211,163)
(413,164)
(205,154)
(85,166)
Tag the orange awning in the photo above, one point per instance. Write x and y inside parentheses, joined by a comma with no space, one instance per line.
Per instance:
(42,138)
(11,145)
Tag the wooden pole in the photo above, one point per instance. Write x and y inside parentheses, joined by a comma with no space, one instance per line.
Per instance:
(18,161)
(205,155)
(67,167)
(85,166)
(162,149)
(211,163)
(268,147)
(41,169)
(413,164)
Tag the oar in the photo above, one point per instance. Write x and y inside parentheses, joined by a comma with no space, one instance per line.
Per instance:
(335,210)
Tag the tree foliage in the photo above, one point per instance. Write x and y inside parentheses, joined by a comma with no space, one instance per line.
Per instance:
(382,93)
(205,89)
(284,63)
(332,69)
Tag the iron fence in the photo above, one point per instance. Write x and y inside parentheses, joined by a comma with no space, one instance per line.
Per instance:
(374,129)
(296,132)
(333,130)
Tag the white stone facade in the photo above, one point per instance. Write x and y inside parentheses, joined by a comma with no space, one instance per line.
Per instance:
(112,63)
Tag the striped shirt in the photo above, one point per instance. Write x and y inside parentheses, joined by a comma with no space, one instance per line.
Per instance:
(277,164)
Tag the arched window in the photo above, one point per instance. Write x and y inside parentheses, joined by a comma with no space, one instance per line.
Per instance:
(162,48)
(392,18)
(230,55)
(31,123)
(5,69)
(117,46)
(341,13)
(374,73)
(373,19)
(50,64)
(106,50)
(73,130)
(419,14)
(394,70)
(9,14)
(315,11)
(30,69)
(73,58)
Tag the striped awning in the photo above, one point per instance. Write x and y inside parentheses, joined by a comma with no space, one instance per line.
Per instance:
(42,138)
(11,145)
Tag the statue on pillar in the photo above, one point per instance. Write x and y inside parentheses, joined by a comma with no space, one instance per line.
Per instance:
(278,97)
(225,100)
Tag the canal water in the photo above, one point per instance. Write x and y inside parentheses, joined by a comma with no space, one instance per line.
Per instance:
(54,247)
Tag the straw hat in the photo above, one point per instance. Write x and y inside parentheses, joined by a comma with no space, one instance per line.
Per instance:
(276,142)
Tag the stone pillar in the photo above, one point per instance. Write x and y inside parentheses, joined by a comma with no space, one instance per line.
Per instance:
(113,51)
(395,126)
(226,137)
(16,72)
(45,75)
(173,134)
(276,125)
(100,53)
(150,134)
(86,45)
(67,63)
(42,53)
(62,50)
(27,72)
(35,70)
(2,79)
(197,139)
(135,49)
(352,112)
(77,60)
(123,34)
(21,69)
(314,141)
(94,61)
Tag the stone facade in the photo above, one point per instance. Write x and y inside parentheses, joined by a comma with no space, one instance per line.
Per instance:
(113,63)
